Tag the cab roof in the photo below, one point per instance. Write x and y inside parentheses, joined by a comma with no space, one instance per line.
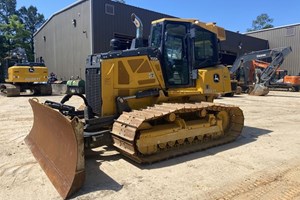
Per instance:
(219,31)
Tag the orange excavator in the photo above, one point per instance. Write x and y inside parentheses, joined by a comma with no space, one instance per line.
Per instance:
(255,77)
(287,81)
(280,80)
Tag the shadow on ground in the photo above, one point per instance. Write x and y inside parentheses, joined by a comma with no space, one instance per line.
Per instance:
(236,96)
(98,180)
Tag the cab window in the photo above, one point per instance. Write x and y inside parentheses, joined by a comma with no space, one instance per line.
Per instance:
(156,34)
(205,48)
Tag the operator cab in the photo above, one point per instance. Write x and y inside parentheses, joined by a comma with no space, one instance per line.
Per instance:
(185,47)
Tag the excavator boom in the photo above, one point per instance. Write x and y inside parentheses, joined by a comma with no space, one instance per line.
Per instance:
(262,77)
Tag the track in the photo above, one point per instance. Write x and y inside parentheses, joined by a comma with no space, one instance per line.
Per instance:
(9,90)
(168,130)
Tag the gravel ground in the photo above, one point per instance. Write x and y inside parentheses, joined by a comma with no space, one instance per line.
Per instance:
(263,163)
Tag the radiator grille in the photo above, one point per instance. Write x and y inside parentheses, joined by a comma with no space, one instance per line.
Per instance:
(93,88)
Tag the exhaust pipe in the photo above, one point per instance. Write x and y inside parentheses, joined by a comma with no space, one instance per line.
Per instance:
(138,41)
(138,24)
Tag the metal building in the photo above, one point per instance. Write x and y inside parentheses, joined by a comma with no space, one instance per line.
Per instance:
(237,44)
(283,36)
(87,26)
(84,28)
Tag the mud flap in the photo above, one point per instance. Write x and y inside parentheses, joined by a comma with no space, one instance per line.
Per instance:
(57,144)
(259,90)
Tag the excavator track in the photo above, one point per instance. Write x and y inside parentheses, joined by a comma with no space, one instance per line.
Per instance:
(9,90)
(171,129)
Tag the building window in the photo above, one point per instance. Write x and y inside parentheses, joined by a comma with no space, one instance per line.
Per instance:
(74,22)
(290,31)
(109,9)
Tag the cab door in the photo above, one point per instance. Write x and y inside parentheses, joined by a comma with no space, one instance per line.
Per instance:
(176,55)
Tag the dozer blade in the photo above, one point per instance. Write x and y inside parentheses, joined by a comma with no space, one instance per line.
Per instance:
(57,144)
(259,90)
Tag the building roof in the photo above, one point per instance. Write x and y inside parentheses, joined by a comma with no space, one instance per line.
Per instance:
(270,29)
(81,1)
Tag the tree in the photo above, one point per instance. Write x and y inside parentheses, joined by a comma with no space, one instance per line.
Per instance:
(7,9)
(10,27)
(262,21)
(3,50)
(32,21)
(14,34)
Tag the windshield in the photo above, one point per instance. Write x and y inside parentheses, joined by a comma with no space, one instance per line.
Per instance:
(205,48)
(156,33)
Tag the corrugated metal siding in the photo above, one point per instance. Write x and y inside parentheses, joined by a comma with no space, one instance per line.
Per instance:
(278,38)
(105,25)
(66,46)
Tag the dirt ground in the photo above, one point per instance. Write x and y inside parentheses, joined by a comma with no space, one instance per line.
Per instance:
(263,163)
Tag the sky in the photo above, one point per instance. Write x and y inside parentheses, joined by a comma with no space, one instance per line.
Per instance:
(233,15)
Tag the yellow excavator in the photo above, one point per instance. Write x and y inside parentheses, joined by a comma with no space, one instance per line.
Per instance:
(152,103)
(18,75)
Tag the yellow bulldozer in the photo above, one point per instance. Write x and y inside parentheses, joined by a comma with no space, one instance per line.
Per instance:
(152,103)
(18,75)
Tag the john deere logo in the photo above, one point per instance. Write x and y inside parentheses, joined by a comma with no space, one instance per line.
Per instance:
(216,78)
(31,69)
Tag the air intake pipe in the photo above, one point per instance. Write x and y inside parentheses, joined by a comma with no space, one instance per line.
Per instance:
(138,41)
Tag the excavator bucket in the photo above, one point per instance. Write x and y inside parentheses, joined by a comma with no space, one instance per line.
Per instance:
(259,90)
(57,144)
